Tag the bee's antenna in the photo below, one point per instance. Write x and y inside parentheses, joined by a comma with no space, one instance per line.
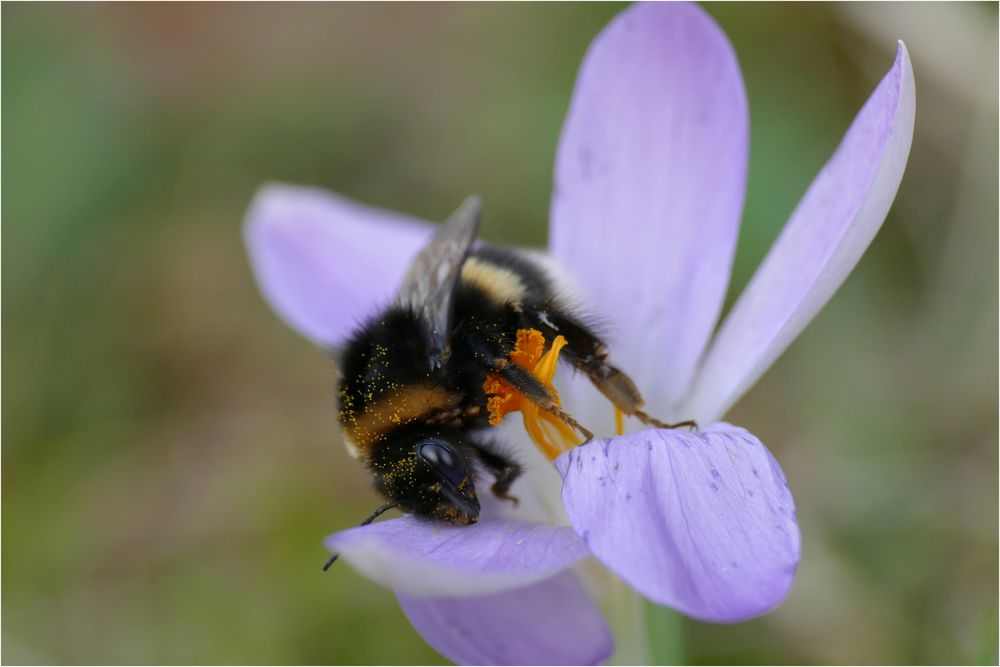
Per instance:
(376,514)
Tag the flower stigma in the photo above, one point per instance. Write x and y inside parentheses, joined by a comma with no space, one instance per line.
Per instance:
(552,435)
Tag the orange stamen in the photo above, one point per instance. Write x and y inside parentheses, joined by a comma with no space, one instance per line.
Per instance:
(552,435)
(619,421)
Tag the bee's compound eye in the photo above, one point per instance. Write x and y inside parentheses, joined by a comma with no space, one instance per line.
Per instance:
(442,459)
(437,454)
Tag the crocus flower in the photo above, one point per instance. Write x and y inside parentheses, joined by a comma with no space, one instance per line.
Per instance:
(649,186)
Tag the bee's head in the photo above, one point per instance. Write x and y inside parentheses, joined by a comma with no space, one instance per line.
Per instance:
(431,476)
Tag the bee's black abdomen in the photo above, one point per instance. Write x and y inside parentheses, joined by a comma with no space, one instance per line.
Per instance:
(386,379)
(389,350)
(484,331)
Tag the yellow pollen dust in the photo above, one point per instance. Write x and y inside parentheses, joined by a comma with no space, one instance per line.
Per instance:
(552,435)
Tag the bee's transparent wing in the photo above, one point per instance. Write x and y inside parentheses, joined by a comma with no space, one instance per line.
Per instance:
(431,279)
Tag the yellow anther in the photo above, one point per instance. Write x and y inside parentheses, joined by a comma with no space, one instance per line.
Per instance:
(552,435)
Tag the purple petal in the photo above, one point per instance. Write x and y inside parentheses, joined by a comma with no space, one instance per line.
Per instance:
(434,559)
(325,262)
(649,183)
(702,522)
(549,623)
(824,239)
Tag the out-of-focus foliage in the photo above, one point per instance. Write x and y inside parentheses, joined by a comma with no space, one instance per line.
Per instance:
(170,453)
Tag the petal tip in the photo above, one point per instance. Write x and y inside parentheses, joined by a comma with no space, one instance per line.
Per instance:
(829,230)
(902,72)
(308,247)
(902,61)
(268,197)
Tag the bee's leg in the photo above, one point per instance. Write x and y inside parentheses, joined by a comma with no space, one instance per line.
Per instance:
(536,392)
(453,417)
(651,421)
(505,470)
(588,354)
(522,380)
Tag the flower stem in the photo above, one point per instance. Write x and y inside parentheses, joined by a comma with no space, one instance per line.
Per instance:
(666,638)
(626,611)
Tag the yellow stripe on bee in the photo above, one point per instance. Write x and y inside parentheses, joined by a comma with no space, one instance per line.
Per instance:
(396,408)
(500,284)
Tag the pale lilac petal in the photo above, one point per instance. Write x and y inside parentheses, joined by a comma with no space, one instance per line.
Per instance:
(549,623)
(424,558)
(824,239)
(649,182)
(701,522)
(325,262)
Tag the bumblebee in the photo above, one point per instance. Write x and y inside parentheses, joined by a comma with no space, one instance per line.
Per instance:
(475,332)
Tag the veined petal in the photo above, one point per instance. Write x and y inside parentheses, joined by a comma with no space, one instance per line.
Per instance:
(649,183)
(552,622)
(422,558)
(325,262)
(819,246)
(702,522)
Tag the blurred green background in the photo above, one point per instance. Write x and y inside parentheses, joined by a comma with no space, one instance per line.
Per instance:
(170,450)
